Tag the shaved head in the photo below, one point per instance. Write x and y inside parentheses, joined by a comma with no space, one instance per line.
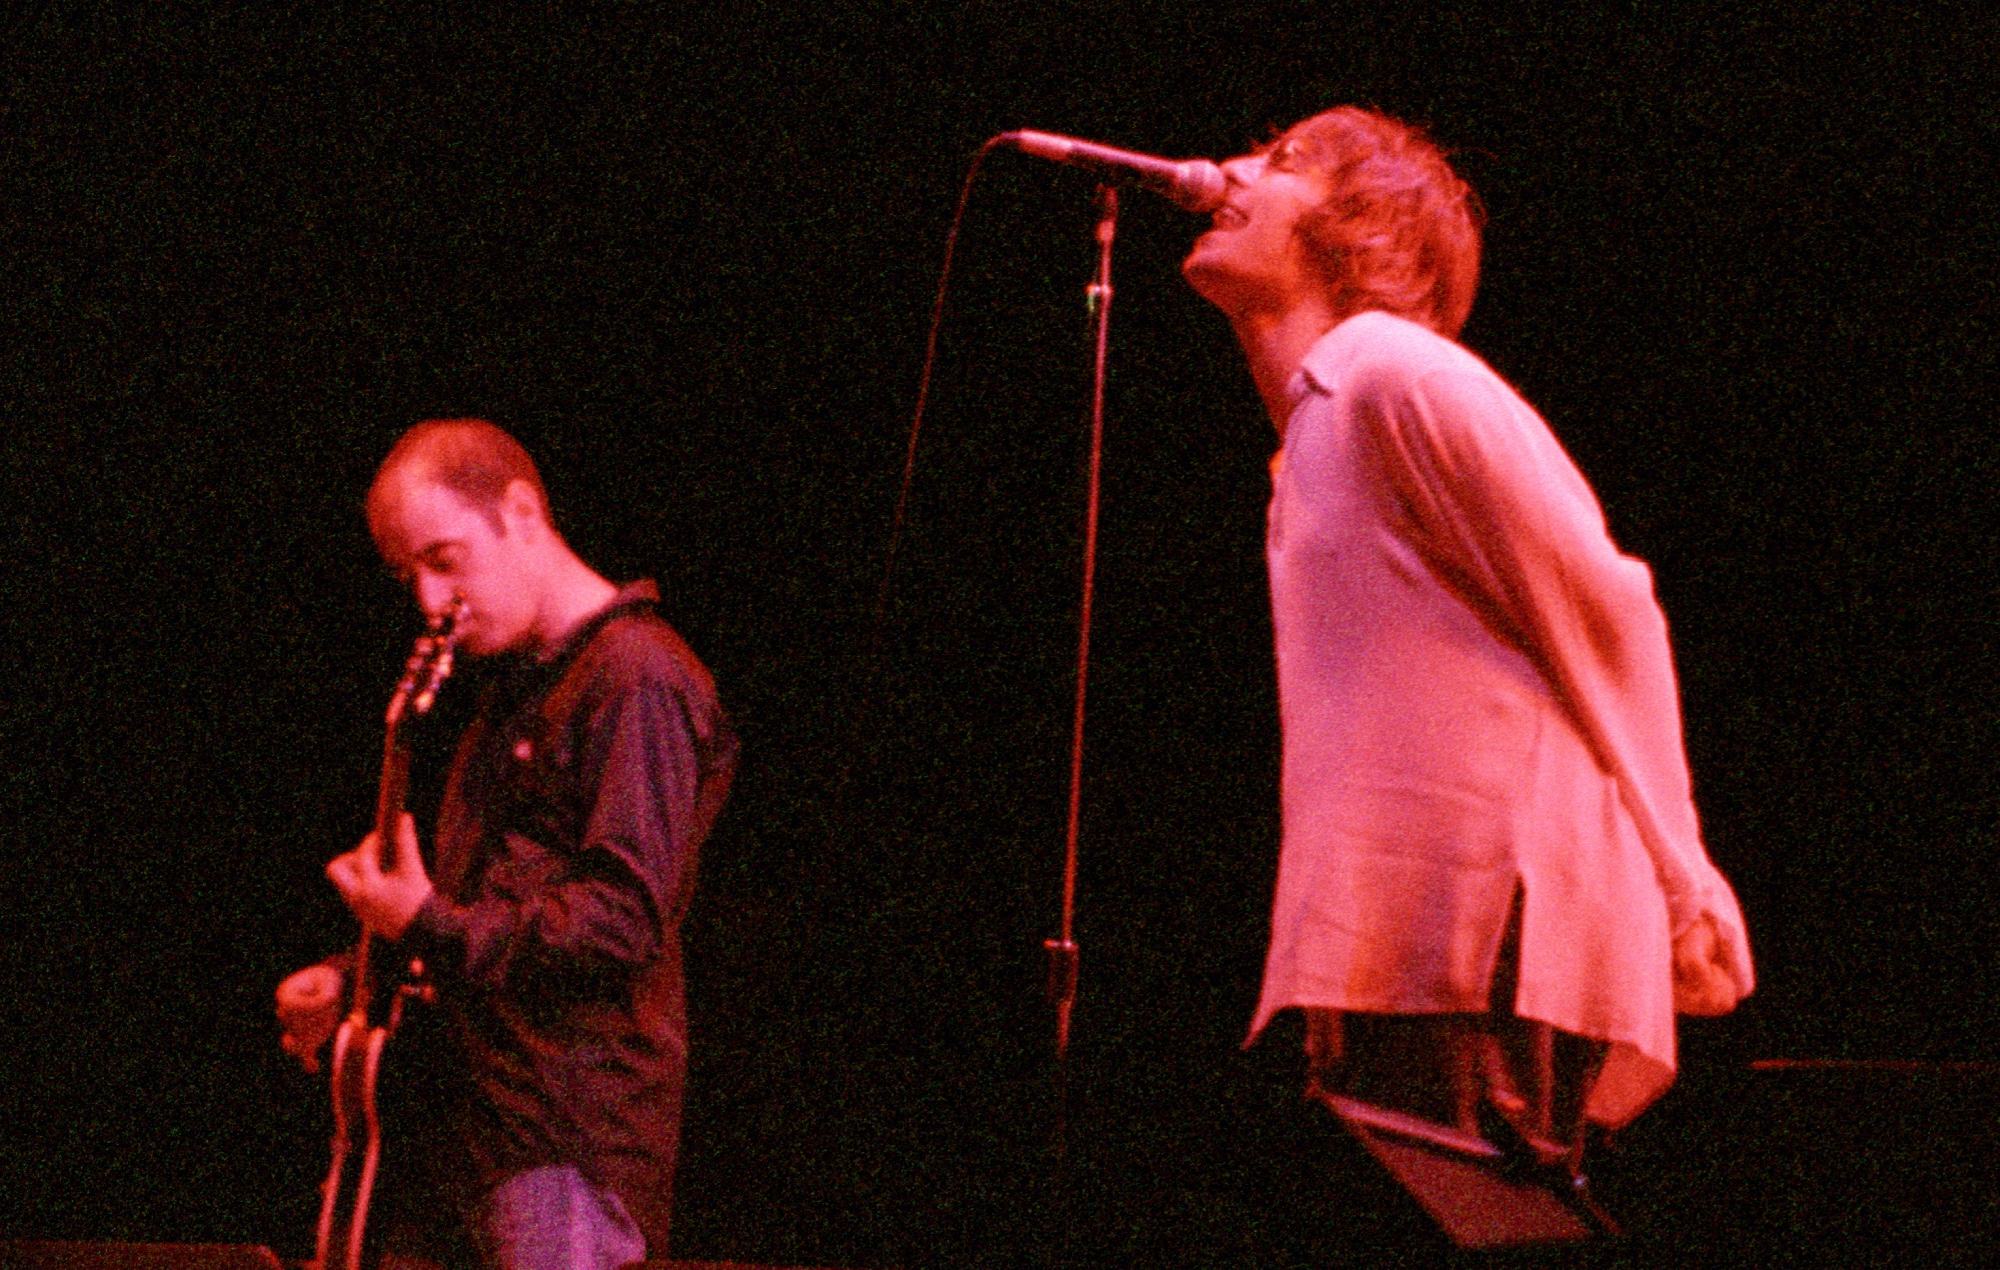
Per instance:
(470,457)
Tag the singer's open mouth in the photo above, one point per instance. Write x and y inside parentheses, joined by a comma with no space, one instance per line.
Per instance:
(1228,217)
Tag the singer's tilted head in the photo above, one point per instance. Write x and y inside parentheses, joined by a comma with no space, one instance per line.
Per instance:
(1342,213)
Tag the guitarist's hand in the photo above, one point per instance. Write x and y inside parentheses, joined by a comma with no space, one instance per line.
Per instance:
(309,1011)
(385,902)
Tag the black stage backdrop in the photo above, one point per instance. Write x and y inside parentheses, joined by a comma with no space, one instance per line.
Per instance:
(1745,266)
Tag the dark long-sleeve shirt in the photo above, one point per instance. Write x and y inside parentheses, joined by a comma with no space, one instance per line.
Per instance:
(564,861)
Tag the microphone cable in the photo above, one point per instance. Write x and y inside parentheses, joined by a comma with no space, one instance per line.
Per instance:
(871,668)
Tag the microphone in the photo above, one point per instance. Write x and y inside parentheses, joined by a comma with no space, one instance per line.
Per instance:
(1194,185)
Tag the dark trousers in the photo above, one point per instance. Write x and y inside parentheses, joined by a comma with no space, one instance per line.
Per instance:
(1456,1069)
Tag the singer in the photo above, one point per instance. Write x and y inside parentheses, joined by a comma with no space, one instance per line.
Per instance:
(1492,892)
(549,917)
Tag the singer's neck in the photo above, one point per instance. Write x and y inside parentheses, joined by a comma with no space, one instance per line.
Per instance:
(1276,341)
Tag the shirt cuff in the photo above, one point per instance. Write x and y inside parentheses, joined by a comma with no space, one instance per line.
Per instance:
(437,934)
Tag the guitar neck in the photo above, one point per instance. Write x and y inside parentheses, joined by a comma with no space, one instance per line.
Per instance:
(389,799)
(428,666)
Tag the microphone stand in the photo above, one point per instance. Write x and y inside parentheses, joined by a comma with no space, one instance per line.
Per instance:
(1063,954)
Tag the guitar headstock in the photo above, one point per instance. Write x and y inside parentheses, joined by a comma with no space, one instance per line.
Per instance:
(442,643)
(429,665)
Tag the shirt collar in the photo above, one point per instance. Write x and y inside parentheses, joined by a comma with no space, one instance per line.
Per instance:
(630,596)
(1319,370)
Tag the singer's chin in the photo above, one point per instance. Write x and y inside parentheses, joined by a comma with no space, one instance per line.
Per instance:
(1200,265)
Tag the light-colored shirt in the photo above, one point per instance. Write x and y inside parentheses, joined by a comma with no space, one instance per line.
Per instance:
(1476,693)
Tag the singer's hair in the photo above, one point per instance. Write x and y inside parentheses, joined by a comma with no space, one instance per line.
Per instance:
(1400,232)
(470,457)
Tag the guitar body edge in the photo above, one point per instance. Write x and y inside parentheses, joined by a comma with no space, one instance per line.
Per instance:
(357,1063)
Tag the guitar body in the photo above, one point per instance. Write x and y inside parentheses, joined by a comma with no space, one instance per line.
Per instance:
(358,1045)
(357,1065)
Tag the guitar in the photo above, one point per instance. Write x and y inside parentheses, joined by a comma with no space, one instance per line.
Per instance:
(357,1046)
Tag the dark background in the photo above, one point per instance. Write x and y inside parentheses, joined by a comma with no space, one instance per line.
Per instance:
(1744,264)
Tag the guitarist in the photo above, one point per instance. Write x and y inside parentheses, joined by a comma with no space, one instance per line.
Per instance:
(548,915)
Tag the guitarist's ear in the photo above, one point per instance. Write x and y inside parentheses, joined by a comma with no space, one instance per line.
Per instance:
(521,512)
